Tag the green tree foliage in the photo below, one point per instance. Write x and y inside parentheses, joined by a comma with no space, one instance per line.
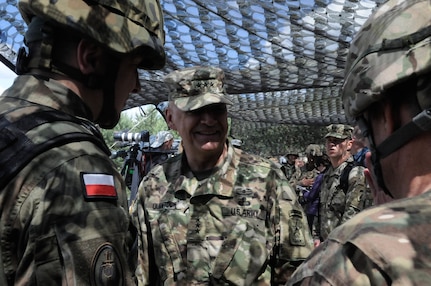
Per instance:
(278,139)
(147,118)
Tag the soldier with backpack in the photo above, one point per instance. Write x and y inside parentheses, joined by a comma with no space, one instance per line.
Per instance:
(64,216)
(387,91)
(340,199)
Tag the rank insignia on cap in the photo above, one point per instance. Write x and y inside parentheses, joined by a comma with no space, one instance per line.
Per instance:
(98,186)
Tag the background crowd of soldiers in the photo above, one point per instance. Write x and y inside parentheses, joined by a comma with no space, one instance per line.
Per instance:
(324,179)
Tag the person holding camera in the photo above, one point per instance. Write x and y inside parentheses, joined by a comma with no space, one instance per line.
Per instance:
(64,215)
(213,214)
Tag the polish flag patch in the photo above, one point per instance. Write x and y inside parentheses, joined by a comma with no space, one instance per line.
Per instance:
(98,186)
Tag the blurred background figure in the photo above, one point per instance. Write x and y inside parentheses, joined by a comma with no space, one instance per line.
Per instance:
(359,146)
(160,151)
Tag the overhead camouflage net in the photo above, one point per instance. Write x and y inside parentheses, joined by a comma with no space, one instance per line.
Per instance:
(284,60)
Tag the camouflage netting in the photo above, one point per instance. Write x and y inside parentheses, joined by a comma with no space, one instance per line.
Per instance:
(284,60)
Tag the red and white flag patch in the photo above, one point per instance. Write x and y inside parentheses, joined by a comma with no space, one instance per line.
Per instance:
(99,186)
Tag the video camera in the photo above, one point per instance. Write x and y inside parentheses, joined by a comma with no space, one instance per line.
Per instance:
(135,140)
(143,136)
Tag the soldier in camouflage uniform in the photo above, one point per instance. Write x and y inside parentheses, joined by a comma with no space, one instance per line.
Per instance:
(311,181)
(339,203)
(64,216)
(387,90)
(309,170)
(288,164)
(215,215)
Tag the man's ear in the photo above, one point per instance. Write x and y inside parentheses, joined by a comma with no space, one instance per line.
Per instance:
(349,144)
(384,120)
(89,57)
(169,119)
(391,118)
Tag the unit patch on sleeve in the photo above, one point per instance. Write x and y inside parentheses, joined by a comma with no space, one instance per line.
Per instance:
(98,186)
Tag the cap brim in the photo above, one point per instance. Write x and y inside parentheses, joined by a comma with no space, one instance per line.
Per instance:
(335,135)
(189,103)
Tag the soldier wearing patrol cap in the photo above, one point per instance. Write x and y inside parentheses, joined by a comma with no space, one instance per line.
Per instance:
(387,90)
(64,213)
(215,215)
(344,189)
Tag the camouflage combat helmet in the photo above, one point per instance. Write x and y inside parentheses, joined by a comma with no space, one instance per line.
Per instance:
(313,150)
(121,26)
(392,45)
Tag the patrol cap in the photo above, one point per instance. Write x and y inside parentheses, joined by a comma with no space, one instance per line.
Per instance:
(196,87)
(340,131)
(161,137)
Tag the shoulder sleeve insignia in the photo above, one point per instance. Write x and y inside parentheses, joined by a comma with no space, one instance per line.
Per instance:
(98,186)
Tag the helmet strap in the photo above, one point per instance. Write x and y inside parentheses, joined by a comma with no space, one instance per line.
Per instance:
(419,124)
(375,155)
(108,117)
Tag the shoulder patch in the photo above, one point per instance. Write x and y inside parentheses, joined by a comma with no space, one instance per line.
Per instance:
(106,267)
(98,186)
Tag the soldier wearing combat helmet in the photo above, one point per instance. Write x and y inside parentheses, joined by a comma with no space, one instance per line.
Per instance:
(387,91)
(215,215)
(64,214)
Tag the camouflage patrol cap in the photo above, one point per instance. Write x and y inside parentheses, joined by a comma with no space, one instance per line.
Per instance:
(122,26)
(313,150)
(161,137)
(392,45)
(196,87)
(340,131)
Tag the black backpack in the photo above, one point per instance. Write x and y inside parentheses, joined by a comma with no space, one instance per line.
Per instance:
(344,177)
(17,150)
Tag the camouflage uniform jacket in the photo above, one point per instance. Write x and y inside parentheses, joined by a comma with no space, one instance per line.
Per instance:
(55,229)
(242,225)
(336,205)
(304,174)
(384,245)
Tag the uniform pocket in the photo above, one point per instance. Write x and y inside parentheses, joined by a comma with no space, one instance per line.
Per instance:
(243,255)
(48,267)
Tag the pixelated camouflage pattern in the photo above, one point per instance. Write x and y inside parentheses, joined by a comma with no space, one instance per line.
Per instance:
(196,87)
(234,228)
(369,74)
(384,245)
(122,26)
(336,207)
(289,170)
(340,131)
(50,234)
(299,174)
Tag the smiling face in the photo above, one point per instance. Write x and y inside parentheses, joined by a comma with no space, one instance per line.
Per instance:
(203,131)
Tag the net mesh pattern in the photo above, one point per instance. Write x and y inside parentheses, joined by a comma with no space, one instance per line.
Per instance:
(284,60)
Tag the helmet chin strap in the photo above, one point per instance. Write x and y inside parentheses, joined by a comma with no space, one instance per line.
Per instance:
(108,116)
(420,123)
(43,62)
(375,155)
